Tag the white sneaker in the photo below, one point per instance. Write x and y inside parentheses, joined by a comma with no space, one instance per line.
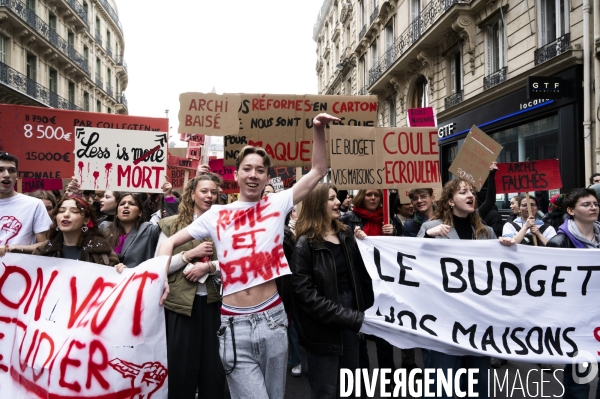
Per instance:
(297,371)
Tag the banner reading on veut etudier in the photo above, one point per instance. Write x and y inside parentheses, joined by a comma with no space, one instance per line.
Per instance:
(71,329)
(521,303)
(282,124)
(384,157)
(111,159)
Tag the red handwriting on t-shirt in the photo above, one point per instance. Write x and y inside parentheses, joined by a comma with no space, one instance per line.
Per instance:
(240,218)
(263,264)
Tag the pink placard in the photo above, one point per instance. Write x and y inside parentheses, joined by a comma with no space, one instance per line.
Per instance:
(217,166)
(421,117)
(30,185)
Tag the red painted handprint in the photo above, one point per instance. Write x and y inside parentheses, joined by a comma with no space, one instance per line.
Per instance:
(9,228)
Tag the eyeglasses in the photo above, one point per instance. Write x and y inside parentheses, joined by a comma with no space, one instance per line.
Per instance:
(588,205)
(525,205)
(421,197)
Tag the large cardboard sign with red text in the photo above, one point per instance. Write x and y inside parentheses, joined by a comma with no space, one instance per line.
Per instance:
(282,124)
(385,157)
(108,159)
(475,157)
(208,113)
(519,177)
(44,138)
(72,329)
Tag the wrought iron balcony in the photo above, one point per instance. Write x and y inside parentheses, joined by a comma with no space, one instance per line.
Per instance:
(425,20)
(112,13)
(362,32)
(79,10)
(121,99)
(99,38)
(37,24)
(453,100)
(99,82)
(374,15)
(553,49)
(23,84)
(494,79)
(109,90)
(121,61)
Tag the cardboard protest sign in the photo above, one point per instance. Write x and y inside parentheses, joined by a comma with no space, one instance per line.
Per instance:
(480,298)
(111,159)
(208,113)
(521,177)
(401,158)
(282,124)
(287,174)
(176,176)
(73,329)
(217,166)
(475,157)
(195,138)
(44,138)
(194,150)
(183,163)
(277,184)
(421,117)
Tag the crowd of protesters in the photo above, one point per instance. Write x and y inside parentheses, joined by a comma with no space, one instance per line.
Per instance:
(243,336)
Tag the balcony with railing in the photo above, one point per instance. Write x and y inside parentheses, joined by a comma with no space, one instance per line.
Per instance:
(31,19)
(430,14)
(112,13)
(362,32)
(79,10)
(121,104)
(494,79)
(553,49)
(374,15)
(453,100)
(109,90)
(31,88)
(109,50)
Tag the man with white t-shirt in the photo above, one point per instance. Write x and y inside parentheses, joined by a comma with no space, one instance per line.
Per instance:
(23,219)
(248,235)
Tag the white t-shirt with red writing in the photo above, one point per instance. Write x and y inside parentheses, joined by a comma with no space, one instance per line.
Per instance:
(21,218)
(249,239)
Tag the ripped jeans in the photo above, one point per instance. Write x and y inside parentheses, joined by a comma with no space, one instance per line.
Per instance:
(261,346)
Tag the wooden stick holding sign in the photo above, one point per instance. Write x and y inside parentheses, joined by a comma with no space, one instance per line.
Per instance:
(529,213)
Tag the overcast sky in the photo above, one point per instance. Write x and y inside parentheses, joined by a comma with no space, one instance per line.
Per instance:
(235,46)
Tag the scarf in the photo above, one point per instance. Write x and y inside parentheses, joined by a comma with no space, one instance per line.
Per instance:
(373,220)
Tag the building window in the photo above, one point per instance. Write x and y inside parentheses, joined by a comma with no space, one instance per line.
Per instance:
(496,46)
(86,53)
(98,106)
(363,70)
(363,14)
(108,46)
(456,72)
(109,110)
(71,39)
(3,49)
(420,96)
(86,101)
(389,43)
(31,5)
(52,21)
(72,92)
(415,9)
(53,80)
(32,67)
(554,20)
(391,103)
(86,9)
(348,87)
(97,27)
(374,53)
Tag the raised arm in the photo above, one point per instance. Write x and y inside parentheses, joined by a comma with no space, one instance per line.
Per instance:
(319,158)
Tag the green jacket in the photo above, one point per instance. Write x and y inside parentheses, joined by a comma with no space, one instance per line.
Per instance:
(182,291)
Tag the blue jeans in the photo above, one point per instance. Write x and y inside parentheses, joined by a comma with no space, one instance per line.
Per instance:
(325,368)
(294,357)
(438,360)
(261,353)
(574,390)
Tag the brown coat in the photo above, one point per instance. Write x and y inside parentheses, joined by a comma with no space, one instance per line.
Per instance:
(95,250)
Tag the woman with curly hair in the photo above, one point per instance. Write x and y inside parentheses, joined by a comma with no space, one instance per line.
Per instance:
(456,218)
(193,305)
(74,235)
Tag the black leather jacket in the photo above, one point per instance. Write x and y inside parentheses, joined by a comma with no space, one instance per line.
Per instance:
(318,316)
(560,240)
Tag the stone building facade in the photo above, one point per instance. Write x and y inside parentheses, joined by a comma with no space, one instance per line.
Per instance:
(470,60)
(64,54)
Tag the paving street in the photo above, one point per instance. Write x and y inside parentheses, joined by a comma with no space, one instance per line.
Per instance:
(298,388)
